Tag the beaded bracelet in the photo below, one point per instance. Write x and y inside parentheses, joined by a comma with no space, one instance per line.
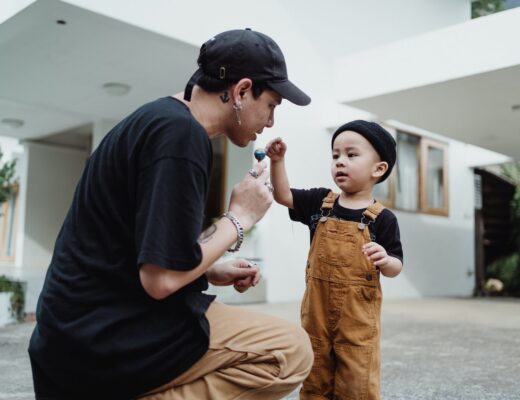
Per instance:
(240,231)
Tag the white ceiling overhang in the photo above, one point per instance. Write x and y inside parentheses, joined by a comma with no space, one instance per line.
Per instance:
(462,82)
(51,74)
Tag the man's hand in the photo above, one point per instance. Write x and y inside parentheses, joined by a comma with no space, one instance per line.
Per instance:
(239,273)
(251,198)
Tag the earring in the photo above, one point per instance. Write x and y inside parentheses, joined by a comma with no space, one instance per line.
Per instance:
(237,107)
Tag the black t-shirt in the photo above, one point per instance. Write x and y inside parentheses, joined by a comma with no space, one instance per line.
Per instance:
(307,209)
(140,200)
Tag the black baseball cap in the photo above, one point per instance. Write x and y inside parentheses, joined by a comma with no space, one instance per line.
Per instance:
(244,53)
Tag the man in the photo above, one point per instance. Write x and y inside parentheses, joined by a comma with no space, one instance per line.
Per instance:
(122,313)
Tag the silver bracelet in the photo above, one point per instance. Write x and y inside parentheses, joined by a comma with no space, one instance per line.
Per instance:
(240,231)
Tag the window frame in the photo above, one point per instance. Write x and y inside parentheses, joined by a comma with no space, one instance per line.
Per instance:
(422,196)
(6,218)
(425,144)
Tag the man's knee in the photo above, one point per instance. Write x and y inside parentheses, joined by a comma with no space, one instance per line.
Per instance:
(301,355)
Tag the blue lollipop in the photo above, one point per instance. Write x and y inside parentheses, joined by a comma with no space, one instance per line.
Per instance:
(259,154)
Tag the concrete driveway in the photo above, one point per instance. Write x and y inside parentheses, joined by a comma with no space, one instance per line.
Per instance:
(435,349)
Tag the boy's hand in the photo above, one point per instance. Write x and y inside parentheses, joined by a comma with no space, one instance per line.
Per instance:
(276,149)
(376,254)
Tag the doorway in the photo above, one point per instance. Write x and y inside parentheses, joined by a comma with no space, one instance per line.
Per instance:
(493,222)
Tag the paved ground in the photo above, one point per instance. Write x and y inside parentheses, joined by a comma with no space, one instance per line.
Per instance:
(433,349)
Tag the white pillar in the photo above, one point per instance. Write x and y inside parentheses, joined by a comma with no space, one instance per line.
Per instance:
(22,172)
(48,178)
(99,129)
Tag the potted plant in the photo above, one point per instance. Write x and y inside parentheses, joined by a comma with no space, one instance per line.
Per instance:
(11,292)
(11,301)
(7,178)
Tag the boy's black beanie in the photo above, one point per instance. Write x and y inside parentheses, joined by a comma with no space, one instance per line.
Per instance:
(379,138)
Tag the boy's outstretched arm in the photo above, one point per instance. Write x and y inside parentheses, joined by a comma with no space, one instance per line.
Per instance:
(275,150)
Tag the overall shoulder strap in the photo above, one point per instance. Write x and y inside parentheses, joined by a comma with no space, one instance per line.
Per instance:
(373,211)
(328,201)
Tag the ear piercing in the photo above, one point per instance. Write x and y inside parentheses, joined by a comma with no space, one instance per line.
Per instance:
(237,107)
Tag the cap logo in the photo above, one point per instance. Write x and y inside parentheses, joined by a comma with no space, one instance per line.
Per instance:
(222,72)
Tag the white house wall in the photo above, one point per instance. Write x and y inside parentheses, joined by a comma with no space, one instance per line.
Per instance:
(284,244)
(458,81)
(336,27)
(439,256)
(99,130)
(439,251)
(52,175)
(473,47)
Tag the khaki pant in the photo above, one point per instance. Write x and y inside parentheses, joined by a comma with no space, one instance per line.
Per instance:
(251,356)
(341,313)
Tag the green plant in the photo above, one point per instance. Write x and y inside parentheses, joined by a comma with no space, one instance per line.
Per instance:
(17,298)
(507,270)
(7,184)
(512,172)
(507,267)
(481,8)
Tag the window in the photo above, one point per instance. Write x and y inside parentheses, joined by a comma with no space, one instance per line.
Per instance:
(419,180)
(8,220)
(407,172)
(434,194)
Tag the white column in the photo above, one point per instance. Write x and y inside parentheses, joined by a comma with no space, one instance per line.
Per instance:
(99,129)
(22,172)
(48,178)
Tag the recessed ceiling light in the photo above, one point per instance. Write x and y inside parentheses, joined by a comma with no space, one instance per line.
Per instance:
(515,107)
(12,123)
(116,89)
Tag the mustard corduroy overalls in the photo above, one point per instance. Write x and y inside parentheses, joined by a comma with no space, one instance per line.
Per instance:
(341,309)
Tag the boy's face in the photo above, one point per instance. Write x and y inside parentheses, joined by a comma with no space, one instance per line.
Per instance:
(356,166)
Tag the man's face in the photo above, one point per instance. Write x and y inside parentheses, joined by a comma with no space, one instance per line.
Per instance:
(255,115)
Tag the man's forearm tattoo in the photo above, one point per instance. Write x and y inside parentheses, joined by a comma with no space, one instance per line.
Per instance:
(207,235)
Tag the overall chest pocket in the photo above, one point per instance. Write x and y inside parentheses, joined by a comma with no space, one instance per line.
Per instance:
(337,248)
